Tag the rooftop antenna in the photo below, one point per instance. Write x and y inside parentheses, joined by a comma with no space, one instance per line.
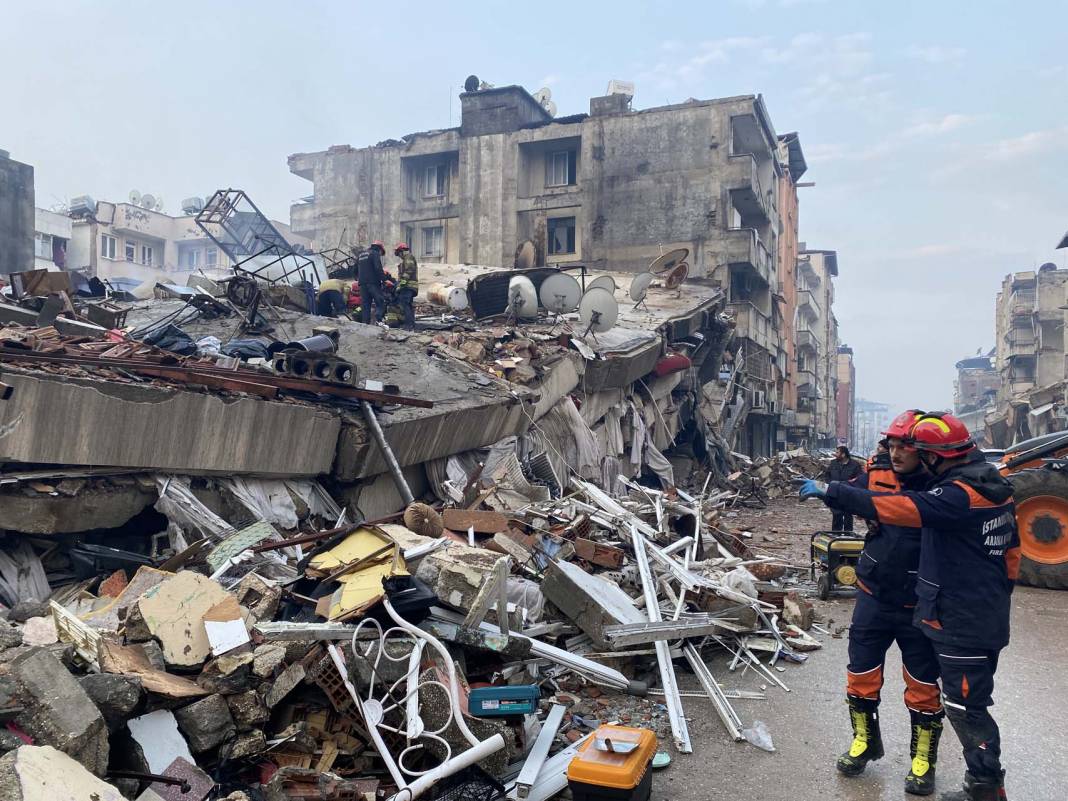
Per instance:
(560,293)
(639,288)
(522,299)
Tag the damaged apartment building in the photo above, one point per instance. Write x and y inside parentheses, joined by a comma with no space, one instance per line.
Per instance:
(612,190)
(1030,356)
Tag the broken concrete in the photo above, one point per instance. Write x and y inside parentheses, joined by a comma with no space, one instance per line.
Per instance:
(266,659)
(117,697)
(284,684)
(248,710)
(246,745)
(57,711)
(98,507)
(172,612)
(206,723)
(41,773)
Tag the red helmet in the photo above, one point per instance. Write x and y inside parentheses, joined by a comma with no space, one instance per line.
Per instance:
(901,425)
(399,247)
(942,434)
(379,244)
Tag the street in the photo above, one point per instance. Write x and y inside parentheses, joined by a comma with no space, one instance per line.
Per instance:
(809,725)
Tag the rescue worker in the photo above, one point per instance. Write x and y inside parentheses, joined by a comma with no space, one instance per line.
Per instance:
(407,284)
(842,468)
(332,298)
(886,597)
(371,276)
(969,560)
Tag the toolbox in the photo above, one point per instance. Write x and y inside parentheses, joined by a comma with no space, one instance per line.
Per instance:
(495,702)
(613,765)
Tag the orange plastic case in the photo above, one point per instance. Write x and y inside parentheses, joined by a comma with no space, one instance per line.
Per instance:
(596,774)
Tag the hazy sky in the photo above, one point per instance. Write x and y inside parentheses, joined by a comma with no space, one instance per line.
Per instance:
(936,132)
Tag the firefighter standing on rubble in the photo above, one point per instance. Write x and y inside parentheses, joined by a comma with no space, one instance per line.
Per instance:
(886,597)
(407,283)
(969,560)
(371,276)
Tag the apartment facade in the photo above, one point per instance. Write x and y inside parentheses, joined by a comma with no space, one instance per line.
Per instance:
(51,238)
(816,337)
(1030,356)
(793,164)
(16,215)
(845,397)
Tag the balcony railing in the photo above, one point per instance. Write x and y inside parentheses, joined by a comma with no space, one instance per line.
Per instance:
(747,195)
(807,339)
(743,246)
(807,304)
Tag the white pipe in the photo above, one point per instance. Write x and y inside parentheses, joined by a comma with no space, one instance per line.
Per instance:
(472,755)
(415,723)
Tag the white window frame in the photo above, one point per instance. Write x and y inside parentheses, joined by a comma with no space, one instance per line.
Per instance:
(211,257)
(191,256)
(548,235)
(435,180)
(147,255)
(553,176)
(39,241)
(108,246)
(434,235)
(129,250)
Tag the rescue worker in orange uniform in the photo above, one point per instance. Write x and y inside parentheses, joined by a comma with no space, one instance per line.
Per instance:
(969,561)
(886,598)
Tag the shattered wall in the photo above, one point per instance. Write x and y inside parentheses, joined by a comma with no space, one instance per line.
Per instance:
(16,215)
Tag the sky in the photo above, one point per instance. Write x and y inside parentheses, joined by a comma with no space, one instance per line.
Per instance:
(936,133)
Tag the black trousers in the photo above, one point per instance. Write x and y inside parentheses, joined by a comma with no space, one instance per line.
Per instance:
(330,303)
(968,687)
(406,300)
(841,521)
(369,293)
(875,627)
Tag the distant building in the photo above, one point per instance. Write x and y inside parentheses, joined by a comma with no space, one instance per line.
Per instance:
(51,238)
(817,347)
(870,420)
(846,396)
(16,215)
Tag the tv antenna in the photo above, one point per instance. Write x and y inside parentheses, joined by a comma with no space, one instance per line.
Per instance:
(639,288)
(598,311)
(560,293)
(522,299)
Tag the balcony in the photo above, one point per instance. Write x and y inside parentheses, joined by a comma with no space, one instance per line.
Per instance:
(747,195)
(807,339)
(750,323)
(807,304)
(743,247)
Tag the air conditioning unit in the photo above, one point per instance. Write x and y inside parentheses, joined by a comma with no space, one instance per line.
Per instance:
(193,205)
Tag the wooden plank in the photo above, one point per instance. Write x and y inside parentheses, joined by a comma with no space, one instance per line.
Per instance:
(481,522)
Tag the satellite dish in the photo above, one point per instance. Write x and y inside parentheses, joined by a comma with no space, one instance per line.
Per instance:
(148,201)
(522,299)
(543,95)
(598,310)
(560,293)
(666,262)
(456,300)
(158,205)
(605,281)
(525,254)
(471,84)
(674,279)
(639,287)
(135,197)
(550,107)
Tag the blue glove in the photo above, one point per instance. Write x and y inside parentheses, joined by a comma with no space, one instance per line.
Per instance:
(813,489)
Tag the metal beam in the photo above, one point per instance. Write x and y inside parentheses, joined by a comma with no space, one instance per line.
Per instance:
(540,750)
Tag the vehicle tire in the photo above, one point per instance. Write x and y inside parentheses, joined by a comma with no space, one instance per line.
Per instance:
(823,587)
(1041,496)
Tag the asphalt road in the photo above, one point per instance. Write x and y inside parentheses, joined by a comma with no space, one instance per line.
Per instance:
(809,725)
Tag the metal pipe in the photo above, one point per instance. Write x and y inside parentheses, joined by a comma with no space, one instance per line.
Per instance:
(540,750)
(387,452)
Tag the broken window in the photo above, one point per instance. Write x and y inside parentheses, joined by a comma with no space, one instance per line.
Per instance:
(108,246)
(560,168)
(561,235)
(131,250)
(42,246)
(146,254)
(434,180)
(433,241)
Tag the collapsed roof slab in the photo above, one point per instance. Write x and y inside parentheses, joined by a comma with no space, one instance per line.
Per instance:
(471,409)
(53,419)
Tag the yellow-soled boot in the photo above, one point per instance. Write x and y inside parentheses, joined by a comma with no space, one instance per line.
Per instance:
(867,743)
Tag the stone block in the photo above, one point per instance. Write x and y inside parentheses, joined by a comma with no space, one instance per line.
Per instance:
(248,710)
(57,711)
(42,773)
(206,723)
(117,697)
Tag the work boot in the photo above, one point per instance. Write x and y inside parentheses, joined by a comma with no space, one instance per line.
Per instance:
(926,731)
(867,742)
(978,790)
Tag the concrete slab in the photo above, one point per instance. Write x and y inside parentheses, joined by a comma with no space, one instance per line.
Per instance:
(93,507)
(41,773)
(61,420)
(173,612)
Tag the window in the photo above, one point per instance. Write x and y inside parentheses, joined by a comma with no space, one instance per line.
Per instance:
(561,235)
(434,180)
(433,241)
(211,256)
(108,246)
(189,258)
(131,250)
(42,246)
(146,254)
(560,168)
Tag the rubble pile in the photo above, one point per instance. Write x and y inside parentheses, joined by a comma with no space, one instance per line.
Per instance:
(223,579)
